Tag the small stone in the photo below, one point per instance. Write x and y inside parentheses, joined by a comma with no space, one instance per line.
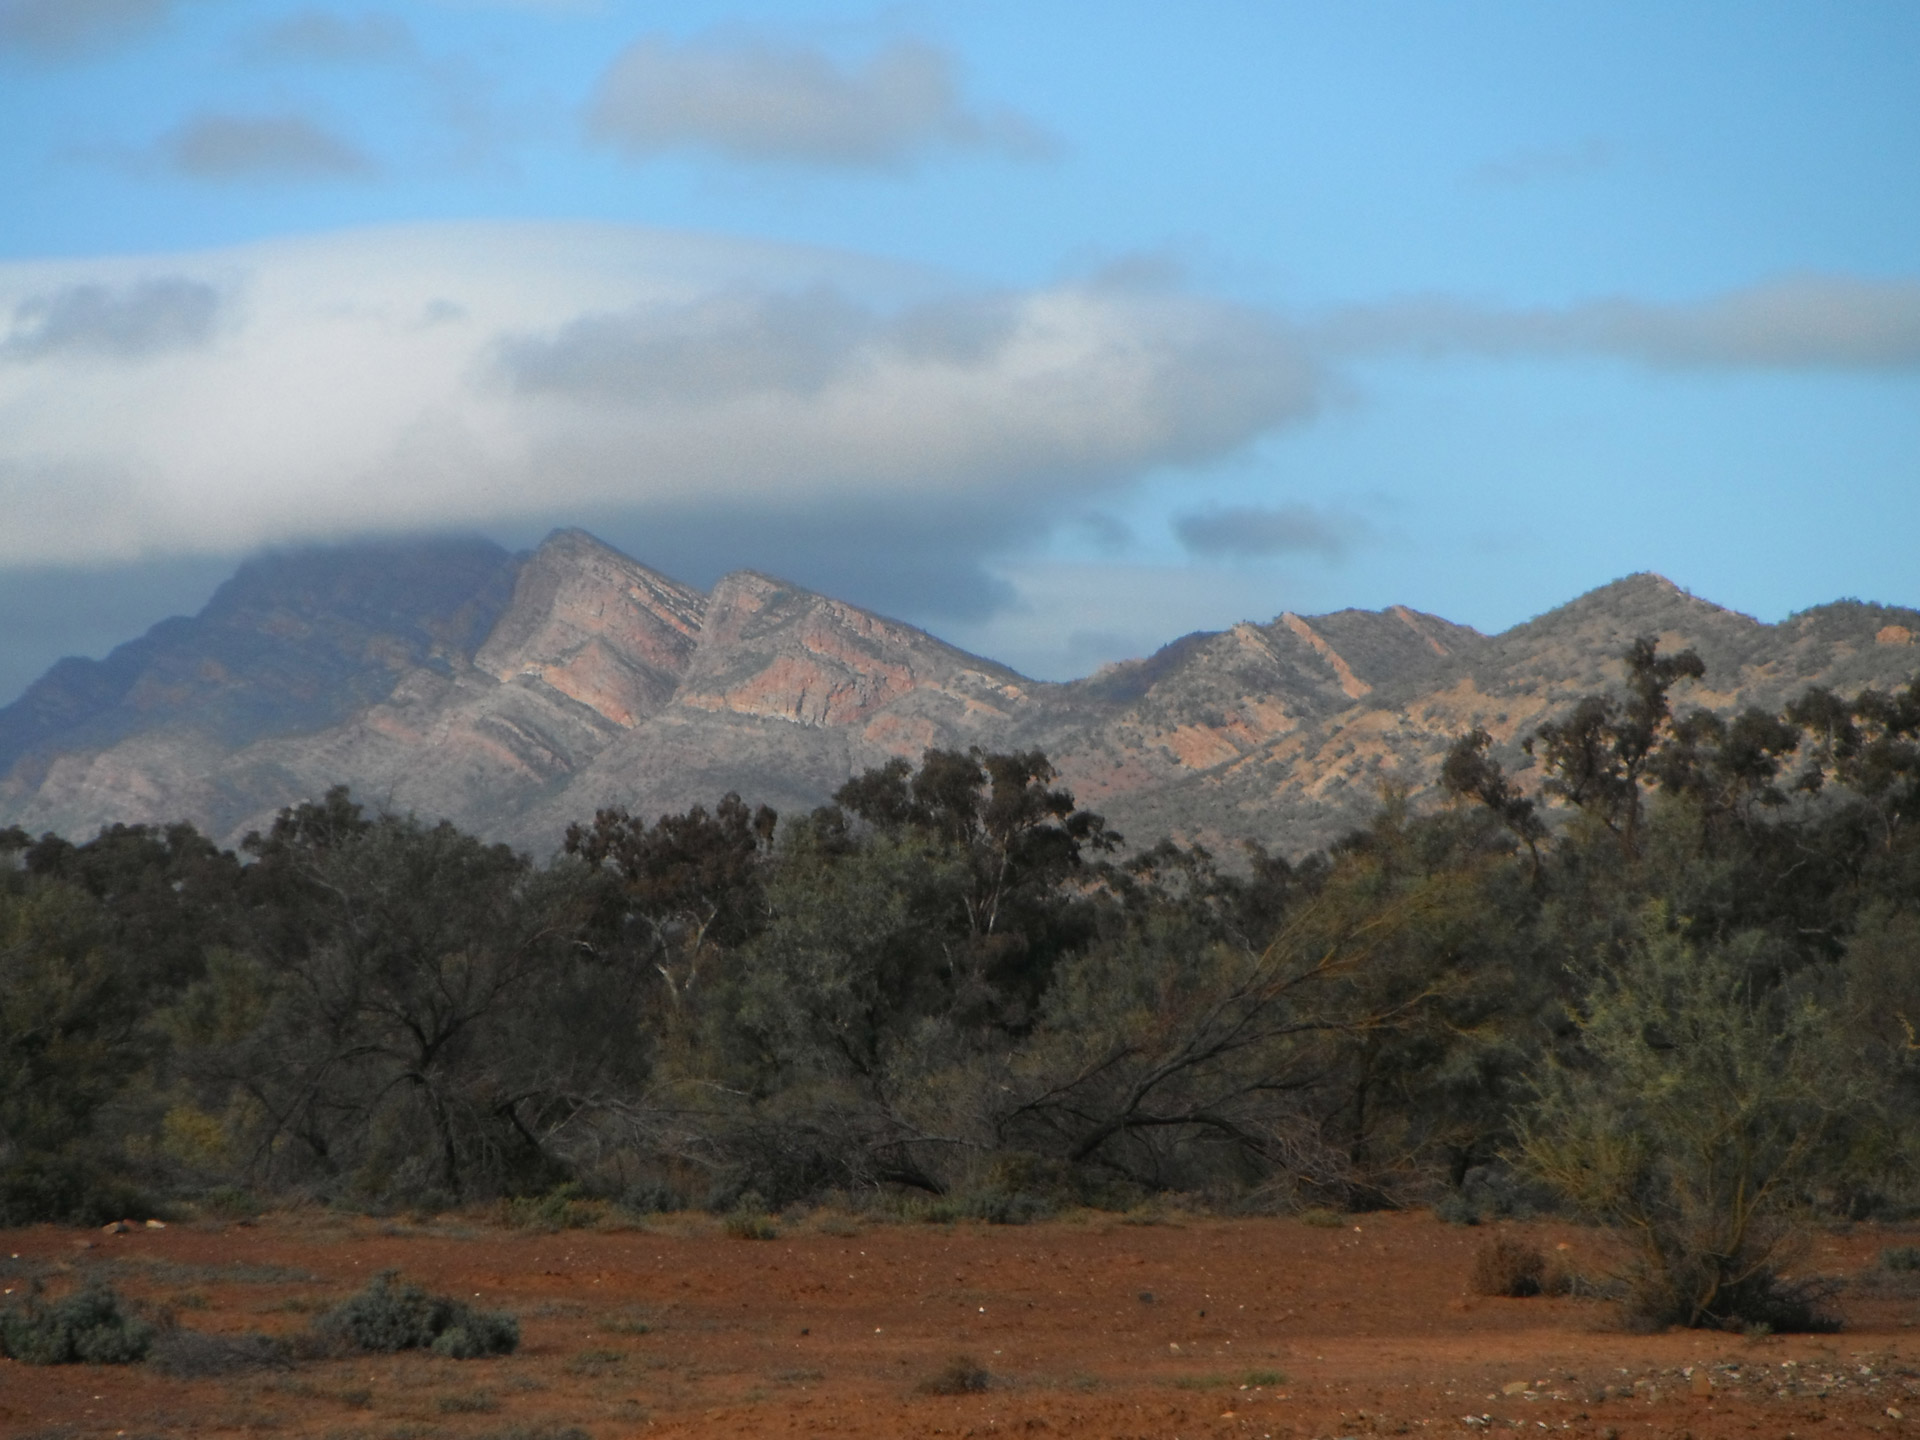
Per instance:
(1514,1387)
(156,1224)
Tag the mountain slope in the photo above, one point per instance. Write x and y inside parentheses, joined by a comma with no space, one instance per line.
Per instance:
(513,695)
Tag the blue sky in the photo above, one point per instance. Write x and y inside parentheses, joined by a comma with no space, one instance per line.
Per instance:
(1058,329)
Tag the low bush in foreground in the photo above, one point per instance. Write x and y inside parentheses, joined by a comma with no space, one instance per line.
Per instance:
(962,1375)
(92,1326)
(389,1316)
(1509,1267)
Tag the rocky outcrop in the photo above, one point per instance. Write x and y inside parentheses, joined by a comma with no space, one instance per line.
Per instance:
(513,694)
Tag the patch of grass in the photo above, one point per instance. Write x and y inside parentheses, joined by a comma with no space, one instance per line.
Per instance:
(1322,1218)
(91,1326)
(595,1362)
(962,1375)
(1508,1267)
(477,1402)
(389,1316)
(1260,1379)
(1900,1258)
(800,1377)
(195,1355)
(230,1202)
(562,1208)
(174,1272)
(537,1432)
(630,1322)
(744,1224)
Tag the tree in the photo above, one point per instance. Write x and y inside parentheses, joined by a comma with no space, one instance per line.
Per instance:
(1599,757)
(400,959)
(1021,844)
(691,882)
(1469,772)
(71,1039)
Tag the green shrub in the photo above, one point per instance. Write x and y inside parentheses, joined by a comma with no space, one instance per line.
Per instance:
(749,1220)
(1698,1111)
(561,1208)
(389,1316)
(1900,1257)
(91,1327)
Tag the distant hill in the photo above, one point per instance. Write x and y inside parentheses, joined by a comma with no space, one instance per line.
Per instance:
(512,694)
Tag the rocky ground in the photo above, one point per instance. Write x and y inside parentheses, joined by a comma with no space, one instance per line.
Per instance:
(1162,1325)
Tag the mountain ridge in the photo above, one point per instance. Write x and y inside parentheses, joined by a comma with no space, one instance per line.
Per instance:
(513,694)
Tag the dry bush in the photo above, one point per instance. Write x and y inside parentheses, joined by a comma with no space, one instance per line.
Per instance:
(962,1375)
(1509,1267)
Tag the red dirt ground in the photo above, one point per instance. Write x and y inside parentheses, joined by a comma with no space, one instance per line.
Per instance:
(1091,1327)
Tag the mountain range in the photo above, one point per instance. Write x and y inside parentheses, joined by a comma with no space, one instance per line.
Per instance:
(513,693)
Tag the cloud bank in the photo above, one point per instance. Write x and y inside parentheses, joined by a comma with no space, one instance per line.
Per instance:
(872,430)
(463,375)
(758,100)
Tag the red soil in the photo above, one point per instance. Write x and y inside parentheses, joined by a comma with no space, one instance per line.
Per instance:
(1096,1327)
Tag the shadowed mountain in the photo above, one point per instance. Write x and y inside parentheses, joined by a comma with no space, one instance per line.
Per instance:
(515,694)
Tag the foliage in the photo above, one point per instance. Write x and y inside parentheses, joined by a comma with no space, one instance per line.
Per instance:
(952,995)
(390,1315)
(90,1326)
(1698,1113)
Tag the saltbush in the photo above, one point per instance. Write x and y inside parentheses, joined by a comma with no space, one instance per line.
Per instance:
(91,1326)
(389,1316)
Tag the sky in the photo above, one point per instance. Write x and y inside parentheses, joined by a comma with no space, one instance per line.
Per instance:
(1060,330)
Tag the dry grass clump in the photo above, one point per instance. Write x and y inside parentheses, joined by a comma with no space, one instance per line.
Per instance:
(962,1375)
(1508,1267)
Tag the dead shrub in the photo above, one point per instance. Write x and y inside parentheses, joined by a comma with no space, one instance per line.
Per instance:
(1509,1267)
(962,1375)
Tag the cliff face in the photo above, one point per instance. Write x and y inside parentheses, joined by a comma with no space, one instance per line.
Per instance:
(515,694)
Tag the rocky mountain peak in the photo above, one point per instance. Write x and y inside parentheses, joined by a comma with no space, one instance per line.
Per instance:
(776,650)
(599,628)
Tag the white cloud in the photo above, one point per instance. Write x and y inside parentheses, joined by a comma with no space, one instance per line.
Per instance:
(758,100)
(462,375)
